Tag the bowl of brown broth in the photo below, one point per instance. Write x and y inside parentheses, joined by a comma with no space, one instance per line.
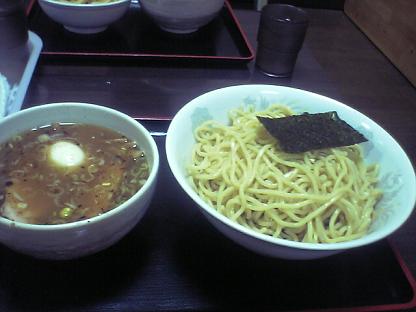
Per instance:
(74,178)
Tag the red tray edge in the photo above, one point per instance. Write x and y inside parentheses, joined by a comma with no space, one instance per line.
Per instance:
(383,307)
(247,43)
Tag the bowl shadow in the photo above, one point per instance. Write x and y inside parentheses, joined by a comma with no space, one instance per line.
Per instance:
(29,284)
(228,276)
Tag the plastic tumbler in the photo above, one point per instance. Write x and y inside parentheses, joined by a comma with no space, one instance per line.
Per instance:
(13,24)
(279,39)
(14,36)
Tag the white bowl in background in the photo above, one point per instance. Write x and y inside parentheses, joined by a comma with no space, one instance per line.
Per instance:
(80,238)
(85,18)
(182,16)
(396,179)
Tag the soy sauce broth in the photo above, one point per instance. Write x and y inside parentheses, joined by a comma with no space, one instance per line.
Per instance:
(68,172)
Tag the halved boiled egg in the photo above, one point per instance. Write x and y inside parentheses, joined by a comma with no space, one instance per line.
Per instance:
(66,154)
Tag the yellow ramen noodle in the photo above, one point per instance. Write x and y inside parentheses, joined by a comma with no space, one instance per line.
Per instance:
(322,196)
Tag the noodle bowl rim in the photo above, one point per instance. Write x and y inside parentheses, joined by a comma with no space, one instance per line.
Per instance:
(190,107)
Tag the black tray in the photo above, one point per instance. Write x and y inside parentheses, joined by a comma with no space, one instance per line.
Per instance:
(136,37)
(174,260)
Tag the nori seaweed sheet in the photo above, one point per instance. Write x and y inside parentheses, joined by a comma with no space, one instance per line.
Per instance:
(306,132)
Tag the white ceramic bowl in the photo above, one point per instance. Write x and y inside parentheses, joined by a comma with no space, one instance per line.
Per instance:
(397,177)
(4,94)
(80,238)
(85,18)
(182,16)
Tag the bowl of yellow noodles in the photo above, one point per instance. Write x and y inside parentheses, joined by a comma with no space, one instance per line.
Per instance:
(85,16)
(292,205)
